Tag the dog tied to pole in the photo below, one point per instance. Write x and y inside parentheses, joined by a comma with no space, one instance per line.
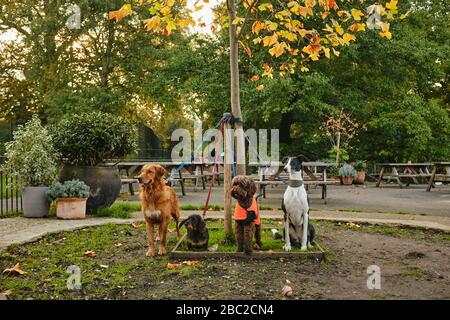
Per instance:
(374,280)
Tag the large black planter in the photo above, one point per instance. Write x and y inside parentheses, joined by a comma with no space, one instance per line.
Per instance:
(104,183)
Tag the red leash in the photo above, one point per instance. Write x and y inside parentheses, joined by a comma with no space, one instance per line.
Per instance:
(215,170)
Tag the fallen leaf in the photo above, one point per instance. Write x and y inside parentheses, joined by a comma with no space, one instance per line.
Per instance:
(117,245)
(190,262)
(174,265)
(353,225)
(137,224)
(90,253)
(16,269)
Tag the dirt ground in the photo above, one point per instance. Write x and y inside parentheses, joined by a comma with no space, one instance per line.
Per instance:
(414,264)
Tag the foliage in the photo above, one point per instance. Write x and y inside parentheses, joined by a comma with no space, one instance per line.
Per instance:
(68,189)
(347,170)
(91,138)
(31,155)
(360,165)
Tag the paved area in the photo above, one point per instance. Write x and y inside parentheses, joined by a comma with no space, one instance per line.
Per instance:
(21,230)
(389,198)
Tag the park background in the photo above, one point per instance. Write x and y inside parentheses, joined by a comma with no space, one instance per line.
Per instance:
(398,89)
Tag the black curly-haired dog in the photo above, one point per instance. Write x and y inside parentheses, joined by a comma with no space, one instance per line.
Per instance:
(197,233)
(246,215)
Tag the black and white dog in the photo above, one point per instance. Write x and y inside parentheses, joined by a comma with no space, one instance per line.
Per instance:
(297,229)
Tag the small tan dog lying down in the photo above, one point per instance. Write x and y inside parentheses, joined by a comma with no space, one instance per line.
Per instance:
(158,203)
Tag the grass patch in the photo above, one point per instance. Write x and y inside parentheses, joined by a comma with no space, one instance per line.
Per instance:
(414,272)
(121,210)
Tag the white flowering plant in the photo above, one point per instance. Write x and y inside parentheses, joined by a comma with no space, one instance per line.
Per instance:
(31,155)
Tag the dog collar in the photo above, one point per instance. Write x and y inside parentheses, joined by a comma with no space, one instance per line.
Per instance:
(295,183)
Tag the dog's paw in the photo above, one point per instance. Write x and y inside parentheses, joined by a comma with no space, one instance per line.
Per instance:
(303,248)
(287,247)
(162,251)
(150,253)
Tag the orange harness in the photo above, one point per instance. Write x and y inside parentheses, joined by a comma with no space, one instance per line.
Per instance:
(241,214)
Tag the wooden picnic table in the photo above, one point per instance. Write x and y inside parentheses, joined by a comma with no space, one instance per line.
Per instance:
(195,170)
(411,172)
(439,177)
(311,175)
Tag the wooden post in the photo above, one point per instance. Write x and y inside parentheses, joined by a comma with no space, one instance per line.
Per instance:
(228,140)
(338,146)
(235,89)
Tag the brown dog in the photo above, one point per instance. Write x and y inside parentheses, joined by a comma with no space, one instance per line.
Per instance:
(246,215)
(158,202)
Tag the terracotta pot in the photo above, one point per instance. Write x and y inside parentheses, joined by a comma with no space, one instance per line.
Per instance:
(71,208)
(104,183)
(347,180)
(360,177)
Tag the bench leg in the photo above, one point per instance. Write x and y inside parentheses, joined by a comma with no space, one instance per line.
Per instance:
(433,174)
(183,192)
(380,177)
(130,187)
(324,193)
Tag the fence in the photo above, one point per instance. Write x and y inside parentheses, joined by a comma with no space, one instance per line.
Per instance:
(10,195)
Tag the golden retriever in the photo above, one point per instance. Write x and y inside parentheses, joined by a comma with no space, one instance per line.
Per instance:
(158,203)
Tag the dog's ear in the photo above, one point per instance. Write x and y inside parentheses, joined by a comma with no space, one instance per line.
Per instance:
(302,158)
(251,187)
(160,171)
(285,160)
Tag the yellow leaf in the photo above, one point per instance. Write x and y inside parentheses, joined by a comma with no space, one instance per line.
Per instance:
(385,30)
(238,20)
(120,14)
(338,27)
(265,6)
(348,37)
(170,3)
(258,26)
(153,23)
(336,53)
(304,69)
(327,52)
(357,27)
(357,14)
(257,40)
(270,40)
(278,49)
(392,6)
(260,87)
(165,10)
(198,8)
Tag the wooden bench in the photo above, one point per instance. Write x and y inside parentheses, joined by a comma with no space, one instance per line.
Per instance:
(264,183)
(130,183)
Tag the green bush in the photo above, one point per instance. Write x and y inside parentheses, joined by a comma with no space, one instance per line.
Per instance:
(31,155)
(90,138)
(68,189)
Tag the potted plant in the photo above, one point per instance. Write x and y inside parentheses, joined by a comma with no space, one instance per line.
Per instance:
(85,141)
(348,173)
(71,197)
(360,167)
(32,158)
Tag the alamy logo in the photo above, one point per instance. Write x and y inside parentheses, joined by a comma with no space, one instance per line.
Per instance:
(74,20)
(374,280)
(74,280)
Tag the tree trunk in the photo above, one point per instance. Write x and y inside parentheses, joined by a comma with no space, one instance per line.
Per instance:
(235,98)
(285,127)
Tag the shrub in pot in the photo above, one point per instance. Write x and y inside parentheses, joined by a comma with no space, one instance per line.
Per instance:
(71,197)
(348,173)
(360,167)
(33,159)
(85,141)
